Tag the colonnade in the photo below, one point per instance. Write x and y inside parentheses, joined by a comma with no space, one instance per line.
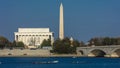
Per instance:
(32,39)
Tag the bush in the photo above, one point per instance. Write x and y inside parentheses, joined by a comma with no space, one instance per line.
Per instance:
(46,43)
(64,46)
(3,42)
(19,44)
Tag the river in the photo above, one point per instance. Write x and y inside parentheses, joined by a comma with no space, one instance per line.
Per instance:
(66,62)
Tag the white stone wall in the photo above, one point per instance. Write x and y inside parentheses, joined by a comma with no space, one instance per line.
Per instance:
(25,52)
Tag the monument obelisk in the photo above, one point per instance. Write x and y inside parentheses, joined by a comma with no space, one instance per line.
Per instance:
(61,23)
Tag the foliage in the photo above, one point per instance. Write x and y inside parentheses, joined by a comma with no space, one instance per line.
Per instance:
(14,44)
(64,46)
(3,42)
(109,41)
(46,43)
(76,43)
(104,41)
(19,44)
(95,41)
(82,44)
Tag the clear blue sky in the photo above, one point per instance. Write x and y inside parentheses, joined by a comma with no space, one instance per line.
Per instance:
(83,19)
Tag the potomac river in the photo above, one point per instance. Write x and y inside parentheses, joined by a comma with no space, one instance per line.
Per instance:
(66,62)
(41,58)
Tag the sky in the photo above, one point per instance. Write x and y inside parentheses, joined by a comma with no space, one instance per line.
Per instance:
(83,19)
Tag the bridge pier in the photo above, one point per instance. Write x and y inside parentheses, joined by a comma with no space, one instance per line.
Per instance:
(91,55)
(114,55)
(107,55)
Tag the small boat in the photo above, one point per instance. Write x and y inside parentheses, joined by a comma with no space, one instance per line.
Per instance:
(39,62)
(74,57)
(77,62)
(54,62)
(46,62)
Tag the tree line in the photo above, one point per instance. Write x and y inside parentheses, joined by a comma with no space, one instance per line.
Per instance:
(65,45)
(103,41)
(5,43)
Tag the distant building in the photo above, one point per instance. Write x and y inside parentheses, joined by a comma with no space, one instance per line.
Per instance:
(33,37)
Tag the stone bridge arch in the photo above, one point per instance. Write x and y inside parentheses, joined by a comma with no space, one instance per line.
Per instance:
(97,53)
(115,52)
(81,52)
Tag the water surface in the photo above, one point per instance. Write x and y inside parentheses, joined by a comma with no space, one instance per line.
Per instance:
(70,62)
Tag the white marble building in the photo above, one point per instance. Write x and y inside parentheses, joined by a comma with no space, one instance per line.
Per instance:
(33,37)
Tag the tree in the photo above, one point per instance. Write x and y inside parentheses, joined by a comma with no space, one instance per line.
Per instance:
(76,43)
(14,43)
(82,44)
(110,41)
(64,46)
(118,41)
(113,41)
(3,42)
(96,41)
(46,43)
(19,44)
(61,46)
(104,41)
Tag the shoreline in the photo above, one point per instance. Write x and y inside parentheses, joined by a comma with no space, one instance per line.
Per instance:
(54,56)
(39,53)
(32,53)
(42,56)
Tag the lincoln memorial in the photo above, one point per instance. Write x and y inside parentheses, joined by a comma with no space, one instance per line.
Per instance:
(33,37)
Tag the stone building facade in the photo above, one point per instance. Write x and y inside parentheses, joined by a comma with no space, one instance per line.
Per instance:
(33,37)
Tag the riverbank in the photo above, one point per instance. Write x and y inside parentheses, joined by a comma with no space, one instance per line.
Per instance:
(32,53)
(38,53)
(74,56)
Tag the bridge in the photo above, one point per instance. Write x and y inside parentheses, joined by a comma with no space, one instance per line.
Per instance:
(99,51)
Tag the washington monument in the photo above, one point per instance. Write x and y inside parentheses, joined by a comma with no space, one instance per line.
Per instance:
(61,23)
